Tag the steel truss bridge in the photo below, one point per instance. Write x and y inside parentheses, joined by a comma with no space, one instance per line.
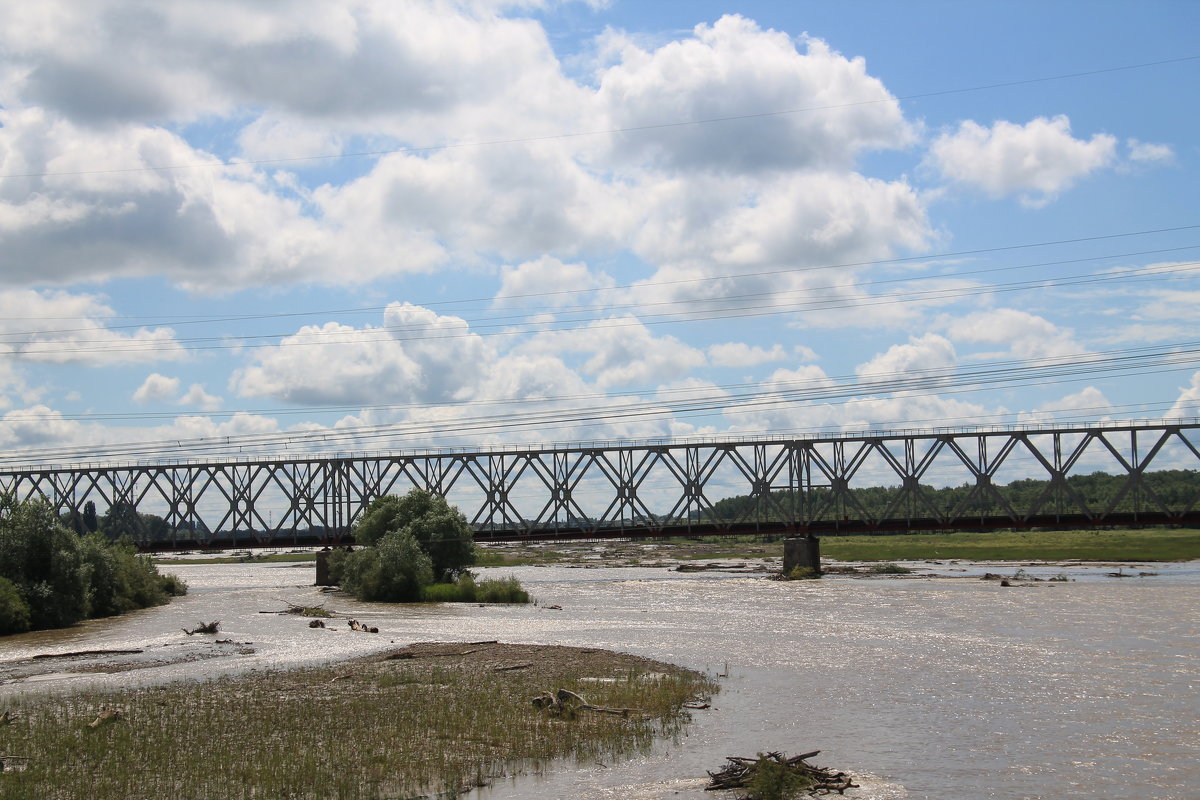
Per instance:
(958,479)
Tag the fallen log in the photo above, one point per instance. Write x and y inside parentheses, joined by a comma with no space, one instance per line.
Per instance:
(107,715)
(564,701)
(77,653)
(355,625)
(511,667)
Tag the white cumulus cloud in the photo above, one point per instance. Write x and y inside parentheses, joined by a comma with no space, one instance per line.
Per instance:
(1037,160)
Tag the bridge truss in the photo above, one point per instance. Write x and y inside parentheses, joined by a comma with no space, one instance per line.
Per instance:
(869,482)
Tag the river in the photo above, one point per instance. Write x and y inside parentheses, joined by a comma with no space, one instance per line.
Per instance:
(937,685)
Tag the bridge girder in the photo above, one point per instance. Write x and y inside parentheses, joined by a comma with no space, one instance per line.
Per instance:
(792,485)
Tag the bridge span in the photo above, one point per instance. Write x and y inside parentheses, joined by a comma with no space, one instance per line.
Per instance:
(1113,474)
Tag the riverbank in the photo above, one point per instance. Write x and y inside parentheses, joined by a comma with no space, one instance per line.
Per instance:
(1104,546)
(1109,546)
(426,718)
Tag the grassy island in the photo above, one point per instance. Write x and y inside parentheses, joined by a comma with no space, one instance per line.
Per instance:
(417,721)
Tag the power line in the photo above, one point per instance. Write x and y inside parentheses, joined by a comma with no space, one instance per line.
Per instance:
(1127,362)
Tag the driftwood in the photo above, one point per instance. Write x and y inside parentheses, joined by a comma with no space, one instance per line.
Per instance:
(563,701)
(355,625)
(89,653)
(316,623)
(107,715)
(14,763)
(204,627)
(512,667)
(740,772)
(8,717)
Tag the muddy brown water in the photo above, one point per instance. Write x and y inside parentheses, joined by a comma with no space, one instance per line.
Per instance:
(938,685)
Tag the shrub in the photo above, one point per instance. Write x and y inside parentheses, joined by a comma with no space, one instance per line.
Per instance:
(774,781)
(395,570)
(441,530)
(501,590)
(14,611)
(889,569)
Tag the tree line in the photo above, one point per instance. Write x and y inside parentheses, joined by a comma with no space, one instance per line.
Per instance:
(1177,489)
(52,576)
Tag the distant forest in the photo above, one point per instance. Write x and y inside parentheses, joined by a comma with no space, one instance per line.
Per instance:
(1175,490)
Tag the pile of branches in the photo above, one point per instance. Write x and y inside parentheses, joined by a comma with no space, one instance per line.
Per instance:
(774,774)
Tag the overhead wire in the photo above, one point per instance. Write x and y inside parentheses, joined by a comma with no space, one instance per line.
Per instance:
(1127,361)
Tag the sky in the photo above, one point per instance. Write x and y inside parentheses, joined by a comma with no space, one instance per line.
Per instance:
(355,226)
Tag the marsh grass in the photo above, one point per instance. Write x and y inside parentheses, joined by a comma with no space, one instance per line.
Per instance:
(469,590)
(391,728)
(1151,544)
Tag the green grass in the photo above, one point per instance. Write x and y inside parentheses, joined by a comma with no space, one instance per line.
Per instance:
(468,590)
(391,728)
(1152,544)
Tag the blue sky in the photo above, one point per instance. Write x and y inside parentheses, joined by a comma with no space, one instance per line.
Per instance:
(362,225)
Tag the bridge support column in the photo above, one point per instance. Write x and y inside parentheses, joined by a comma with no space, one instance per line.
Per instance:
(802,552)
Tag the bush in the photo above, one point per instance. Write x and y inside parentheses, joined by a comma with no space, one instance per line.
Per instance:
(501,590)
(442,531)
(467,590)
(395,570)
(774,781)
(14,611)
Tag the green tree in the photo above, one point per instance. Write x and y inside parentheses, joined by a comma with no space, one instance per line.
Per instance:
(394,570)
(14,611)
(42,558)
(91,522)
(441,530)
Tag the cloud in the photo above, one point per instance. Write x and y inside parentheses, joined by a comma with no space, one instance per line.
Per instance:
(830,108)
(37,425)
(417,356)
(1089,402)
(157,389)
(196,396)
(930,353)
(546,281)
(56,327)
(1037,161)
(1149,153)
(1026,336)
(1187,405)
(621,351)
(363,63)
(739,354)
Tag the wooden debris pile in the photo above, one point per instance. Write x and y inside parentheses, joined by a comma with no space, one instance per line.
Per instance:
(741,773)
(355,625)
(204,627)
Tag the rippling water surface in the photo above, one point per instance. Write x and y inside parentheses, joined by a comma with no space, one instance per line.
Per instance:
(943,687)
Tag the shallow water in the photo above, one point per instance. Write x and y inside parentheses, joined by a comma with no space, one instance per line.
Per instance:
(946,687)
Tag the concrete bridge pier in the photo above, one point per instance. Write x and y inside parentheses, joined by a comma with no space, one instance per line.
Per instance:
(802,551)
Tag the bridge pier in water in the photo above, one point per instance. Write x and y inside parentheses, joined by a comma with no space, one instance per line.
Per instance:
(802,551)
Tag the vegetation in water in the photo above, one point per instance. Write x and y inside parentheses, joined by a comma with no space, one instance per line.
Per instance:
(416,547)
(469,590)
(51,577)
(398,727)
